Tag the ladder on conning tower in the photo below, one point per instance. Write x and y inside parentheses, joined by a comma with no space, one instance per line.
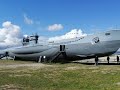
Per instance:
(62,48)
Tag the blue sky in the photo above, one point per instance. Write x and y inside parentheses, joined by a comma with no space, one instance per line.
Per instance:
(88,15)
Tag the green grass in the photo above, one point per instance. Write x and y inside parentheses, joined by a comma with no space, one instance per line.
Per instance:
(69,76)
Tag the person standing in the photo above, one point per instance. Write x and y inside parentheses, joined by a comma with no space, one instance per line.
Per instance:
(118,59)
(96,60)
(108,59)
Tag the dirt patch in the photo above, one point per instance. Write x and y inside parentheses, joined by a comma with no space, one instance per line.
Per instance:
(10,87)
(95,71)
(118,83)
(95,67)
(72,68)
(34,65)
(20,75)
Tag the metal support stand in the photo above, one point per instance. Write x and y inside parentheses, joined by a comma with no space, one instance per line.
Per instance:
(40,59)
(13,58)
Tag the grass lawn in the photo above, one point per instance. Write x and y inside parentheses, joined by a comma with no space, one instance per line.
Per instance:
(70,76)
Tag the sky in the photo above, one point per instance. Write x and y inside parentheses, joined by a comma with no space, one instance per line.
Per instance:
(54,18)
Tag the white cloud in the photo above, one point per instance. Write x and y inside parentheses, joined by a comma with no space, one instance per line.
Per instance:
(55,27)
(10,34)
(42,40)
(27,20)
(72,34)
